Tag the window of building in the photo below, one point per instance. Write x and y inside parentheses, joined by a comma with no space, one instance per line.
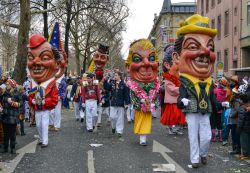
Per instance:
(235,11)
(219,1)
(235,53)
(218,56)
(235,64)
(213,23)
(226,60)
(248,13)
(219,27)
(226,24)
(207,6)
(235,30)
(213,4)
(202,7)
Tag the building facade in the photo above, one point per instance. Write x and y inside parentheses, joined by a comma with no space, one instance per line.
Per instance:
(245,38)
(225,16)
(166,24)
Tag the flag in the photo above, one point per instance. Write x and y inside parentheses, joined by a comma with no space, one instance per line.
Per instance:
(54,37)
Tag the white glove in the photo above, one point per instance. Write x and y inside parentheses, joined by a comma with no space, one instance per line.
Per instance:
(71,99)
(125,106)
(1,109)
(152,105)
(225,104)
(185,101)
(43,102)
(100,104)
(33,101)
(9,100)
(83,105)
(142,100)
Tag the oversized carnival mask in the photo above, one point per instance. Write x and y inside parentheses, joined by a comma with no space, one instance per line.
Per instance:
(142,63)
(41,62)
(101,56)
(195,47)
(170,63)
(197,56)
(63,63)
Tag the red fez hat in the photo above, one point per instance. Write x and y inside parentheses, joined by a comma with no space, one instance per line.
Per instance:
(36,40)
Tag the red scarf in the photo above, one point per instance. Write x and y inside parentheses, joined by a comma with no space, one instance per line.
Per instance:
(172,78)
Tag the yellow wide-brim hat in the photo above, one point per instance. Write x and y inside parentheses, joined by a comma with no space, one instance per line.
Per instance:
(196,24)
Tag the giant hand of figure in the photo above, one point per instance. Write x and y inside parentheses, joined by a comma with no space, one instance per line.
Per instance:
(185,101)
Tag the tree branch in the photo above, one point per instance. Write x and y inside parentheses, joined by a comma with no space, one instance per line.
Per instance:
(7,23)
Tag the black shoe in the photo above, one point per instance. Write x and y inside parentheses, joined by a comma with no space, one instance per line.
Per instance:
(23,134)
(44,145)
(90,130)
(195,165)
(13,151)
(234,152)
(113,130)
(204,160)
(39,143)
(82,119)
(119,135)
(143,143)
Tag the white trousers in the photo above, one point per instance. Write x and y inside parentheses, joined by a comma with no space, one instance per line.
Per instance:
(130,112)
(27,109)
(91,113)
(199,134)
(82,114)
(52,117)
(77,111)
(58,114)
(117,118)
(42,123)
(143,139)
(99,112)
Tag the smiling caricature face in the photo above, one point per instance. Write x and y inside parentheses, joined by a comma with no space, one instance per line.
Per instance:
(197,56)
(41,63)
(100,60)
(144,62)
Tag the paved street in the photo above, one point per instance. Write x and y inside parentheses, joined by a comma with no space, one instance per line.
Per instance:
(69,151)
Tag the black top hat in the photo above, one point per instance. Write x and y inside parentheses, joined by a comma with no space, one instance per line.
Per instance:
(103,48)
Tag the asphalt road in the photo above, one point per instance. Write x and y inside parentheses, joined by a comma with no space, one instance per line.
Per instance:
(69,151)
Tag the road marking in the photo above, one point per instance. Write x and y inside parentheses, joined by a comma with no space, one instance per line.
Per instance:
(159,148)
(8,167)
(91,168)
(164,167)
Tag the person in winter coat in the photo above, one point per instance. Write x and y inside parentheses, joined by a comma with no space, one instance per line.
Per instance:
(119,99)
(11,102)
(244,127)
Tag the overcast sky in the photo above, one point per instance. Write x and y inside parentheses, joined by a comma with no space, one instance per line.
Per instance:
(140,21)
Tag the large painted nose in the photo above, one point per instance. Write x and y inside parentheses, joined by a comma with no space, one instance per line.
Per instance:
(145,62)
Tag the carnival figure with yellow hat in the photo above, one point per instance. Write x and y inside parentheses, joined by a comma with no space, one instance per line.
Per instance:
(142,65)
(195,50)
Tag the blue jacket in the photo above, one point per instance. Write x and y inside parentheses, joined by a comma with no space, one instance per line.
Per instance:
(118,96)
